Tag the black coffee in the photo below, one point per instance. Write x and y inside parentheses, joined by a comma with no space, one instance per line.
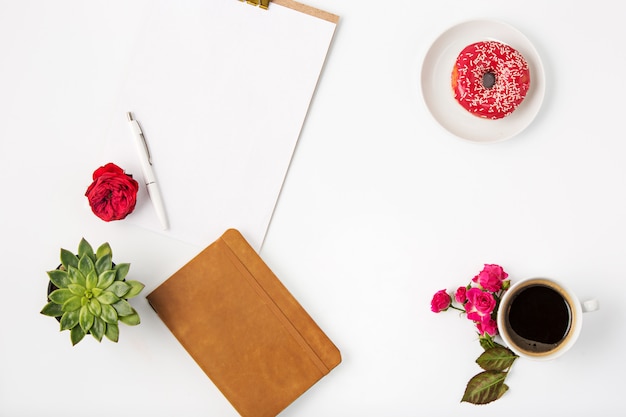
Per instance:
(540,316)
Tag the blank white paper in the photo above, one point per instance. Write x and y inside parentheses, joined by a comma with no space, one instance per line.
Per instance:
(221,90)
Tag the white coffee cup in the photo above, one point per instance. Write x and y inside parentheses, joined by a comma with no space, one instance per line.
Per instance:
(540,318)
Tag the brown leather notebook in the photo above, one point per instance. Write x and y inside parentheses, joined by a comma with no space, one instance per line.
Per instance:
(243,327)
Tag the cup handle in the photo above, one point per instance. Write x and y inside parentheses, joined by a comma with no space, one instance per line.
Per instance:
(590,305)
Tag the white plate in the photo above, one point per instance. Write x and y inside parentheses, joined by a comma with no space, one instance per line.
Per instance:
(437,89)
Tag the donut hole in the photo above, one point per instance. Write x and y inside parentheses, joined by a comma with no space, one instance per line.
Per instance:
(489,79)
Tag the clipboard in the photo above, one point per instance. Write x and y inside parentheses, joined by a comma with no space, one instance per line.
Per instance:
(221,90)
(243,327)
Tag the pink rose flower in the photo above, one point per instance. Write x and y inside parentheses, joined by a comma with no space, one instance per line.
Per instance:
(479,304)
(440,302)
(487,325)
(491,277)
(460,296)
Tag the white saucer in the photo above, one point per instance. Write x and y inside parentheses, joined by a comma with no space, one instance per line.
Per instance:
(437,89)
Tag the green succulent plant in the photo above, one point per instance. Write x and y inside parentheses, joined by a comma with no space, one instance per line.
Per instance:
(90,293)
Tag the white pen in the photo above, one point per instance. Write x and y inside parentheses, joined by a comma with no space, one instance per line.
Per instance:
(148,173)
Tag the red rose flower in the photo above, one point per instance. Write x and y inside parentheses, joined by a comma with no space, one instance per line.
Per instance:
(487,326)
(460,296)
(113,194)
(491,277)
(479,304)
(440,302)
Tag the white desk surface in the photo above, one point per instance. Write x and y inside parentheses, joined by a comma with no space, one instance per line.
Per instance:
(381,208)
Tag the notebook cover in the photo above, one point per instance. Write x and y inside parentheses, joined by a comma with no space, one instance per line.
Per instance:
(243,327)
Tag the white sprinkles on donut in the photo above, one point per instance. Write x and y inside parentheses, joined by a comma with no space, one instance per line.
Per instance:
(490,79)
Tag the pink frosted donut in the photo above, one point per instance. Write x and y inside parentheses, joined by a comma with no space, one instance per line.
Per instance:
(490,79)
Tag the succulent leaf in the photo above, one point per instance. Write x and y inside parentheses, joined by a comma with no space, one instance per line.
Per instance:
(72,304)
(135,288)
(75,276)
(123,308)
(104,263)
(105,279)
(76,335)
(107,297)
(59,278)
(60,296)
(76,289)
(119,288)
(108,314)
(52,309)
(91,280)
(98,329)
(86,265)
(69,320)
(103,250)
(122,271)
(95,307)
(68,259)
(112,332)
(131,319)
(85,249)
(85,318)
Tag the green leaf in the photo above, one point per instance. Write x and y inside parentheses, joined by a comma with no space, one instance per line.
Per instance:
(135,288)
(72,304)
(77,289)
(119,288)
(52,309)
(85,250)
(104,250)
(487,342)
(108,314)
(75,276)
(69,320)
(68,259)
(91,280)
(112,332)
(59,278)
(86,265)
(104,264)
(95,307)
(76,335)
(496,359)
(131,320)
(485,387)
(123,308)
(107,297)
(60,296)
(85,319)
(98,328)
(105,279)
(122,271)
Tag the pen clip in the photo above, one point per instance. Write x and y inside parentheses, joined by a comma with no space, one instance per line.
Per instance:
(140,133)
(145,145)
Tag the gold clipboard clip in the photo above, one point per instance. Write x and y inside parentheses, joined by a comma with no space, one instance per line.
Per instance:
(263,4)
